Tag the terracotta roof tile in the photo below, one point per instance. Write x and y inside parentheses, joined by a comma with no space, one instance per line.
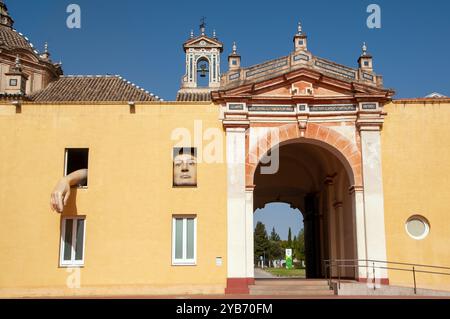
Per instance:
(193,97)
(12,39)
(92,89)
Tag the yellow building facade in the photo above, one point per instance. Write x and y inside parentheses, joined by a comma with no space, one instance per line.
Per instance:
(368,173)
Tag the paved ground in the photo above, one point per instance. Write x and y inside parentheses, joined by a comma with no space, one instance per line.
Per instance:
(261,274)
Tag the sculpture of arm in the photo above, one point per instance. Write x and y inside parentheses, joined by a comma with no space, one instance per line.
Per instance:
(61,192)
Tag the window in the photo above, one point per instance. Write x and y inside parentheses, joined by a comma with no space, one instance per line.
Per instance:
(417,227)
(300,42)
(73,230)
(184,240)
(185,167)
(76,159)
(13,82)
(366,63)
(233,62)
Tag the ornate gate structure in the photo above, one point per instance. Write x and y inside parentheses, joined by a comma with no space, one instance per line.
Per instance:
(304,108)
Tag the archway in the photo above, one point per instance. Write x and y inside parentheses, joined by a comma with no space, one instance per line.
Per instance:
(203,72)
(314,180)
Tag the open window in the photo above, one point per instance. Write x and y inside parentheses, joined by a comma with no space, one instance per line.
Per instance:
(185,167)
(76,159)
(203,72)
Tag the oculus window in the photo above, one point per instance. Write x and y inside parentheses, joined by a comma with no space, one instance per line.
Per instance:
(417,227)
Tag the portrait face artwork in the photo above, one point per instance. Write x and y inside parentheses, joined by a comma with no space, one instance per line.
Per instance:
(185,167)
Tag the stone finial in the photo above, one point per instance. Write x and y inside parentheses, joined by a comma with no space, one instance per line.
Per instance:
(192,34)
(214,34)
(299,28)
(364,49)
(46,54)
(18,64)
(203,26)
(234,48)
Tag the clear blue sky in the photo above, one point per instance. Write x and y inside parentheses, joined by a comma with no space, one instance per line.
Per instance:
(142,40)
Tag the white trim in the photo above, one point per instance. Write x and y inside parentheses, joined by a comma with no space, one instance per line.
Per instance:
(72,262)
(184,261)
(421,219)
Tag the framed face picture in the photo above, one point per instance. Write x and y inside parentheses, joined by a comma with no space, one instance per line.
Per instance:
(185,166)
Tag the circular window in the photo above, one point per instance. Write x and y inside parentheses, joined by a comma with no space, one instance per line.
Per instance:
(417,227)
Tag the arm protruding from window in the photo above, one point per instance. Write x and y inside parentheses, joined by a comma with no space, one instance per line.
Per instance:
(61,192)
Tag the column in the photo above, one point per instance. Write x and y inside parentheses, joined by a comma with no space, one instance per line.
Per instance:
(331,222)
(249,211)
(373,197)
(237,282)
(339,219)
(359,227)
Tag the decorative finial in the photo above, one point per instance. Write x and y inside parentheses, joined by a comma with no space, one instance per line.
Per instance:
(192,34)
(46,47)
(214,34)
(234,48)
(364,48)
(203,25)
(299,28)
(18,64)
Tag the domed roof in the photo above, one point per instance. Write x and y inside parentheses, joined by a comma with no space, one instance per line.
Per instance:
(10,39)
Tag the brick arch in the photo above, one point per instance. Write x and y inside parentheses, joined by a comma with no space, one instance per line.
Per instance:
(318,134)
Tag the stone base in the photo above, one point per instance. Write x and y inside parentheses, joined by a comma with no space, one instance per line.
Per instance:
(239,286)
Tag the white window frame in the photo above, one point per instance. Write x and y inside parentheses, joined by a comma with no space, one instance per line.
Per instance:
(72,262)
(424,221)
(184,261)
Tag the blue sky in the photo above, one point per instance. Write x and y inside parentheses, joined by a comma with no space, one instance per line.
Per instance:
(142,40)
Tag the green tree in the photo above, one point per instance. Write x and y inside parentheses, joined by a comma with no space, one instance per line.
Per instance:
(276,251)
(261,241)
(274,236)
(300,247)
(289,238)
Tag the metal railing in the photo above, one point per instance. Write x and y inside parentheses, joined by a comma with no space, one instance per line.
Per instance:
(372,265)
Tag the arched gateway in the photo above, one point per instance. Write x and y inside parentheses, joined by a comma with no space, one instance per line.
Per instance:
(305,131)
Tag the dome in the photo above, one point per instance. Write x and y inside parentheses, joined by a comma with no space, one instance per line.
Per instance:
(11,40)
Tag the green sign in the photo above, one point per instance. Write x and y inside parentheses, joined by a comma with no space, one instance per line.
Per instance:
(288,258)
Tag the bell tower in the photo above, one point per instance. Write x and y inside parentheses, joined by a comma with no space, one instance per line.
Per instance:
(202,62)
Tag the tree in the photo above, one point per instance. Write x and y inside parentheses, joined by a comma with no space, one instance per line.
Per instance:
(289,238)
(300,247)
(261,242)
(274,236)
(276,252)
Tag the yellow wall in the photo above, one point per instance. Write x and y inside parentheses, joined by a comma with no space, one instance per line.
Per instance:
(416,175)
(128,205)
